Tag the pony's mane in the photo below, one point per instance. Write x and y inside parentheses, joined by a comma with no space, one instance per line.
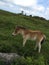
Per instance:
(21,27)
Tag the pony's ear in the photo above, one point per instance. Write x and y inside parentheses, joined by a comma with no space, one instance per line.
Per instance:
(17,26)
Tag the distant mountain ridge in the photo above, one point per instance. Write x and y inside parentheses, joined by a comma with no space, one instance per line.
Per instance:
(4,12)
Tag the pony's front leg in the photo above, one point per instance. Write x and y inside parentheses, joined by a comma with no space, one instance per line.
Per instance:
(24,41)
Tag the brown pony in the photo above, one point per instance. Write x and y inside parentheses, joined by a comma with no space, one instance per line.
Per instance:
(30,34)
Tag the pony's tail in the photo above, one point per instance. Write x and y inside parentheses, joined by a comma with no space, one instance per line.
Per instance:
(44,38)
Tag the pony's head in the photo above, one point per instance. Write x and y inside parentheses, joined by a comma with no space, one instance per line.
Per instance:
(16,31)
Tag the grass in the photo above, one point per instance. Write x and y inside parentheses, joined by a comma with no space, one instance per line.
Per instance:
(9,43)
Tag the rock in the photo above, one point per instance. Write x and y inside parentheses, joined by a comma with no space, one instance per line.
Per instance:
(8,57)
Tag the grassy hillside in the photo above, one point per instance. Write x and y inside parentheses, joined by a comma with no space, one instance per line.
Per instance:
(9,43)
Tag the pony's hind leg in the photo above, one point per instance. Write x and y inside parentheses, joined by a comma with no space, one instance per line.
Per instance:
(36,46)
(39,44)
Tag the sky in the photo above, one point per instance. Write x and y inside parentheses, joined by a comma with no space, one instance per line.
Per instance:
(30,7)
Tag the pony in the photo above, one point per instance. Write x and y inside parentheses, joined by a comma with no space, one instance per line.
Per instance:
(30,34)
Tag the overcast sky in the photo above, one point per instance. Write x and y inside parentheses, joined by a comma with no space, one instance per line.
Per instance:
(30,7)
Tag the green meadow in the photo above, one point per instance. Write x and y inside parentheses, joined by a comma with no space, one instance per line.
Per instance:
(13,44)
